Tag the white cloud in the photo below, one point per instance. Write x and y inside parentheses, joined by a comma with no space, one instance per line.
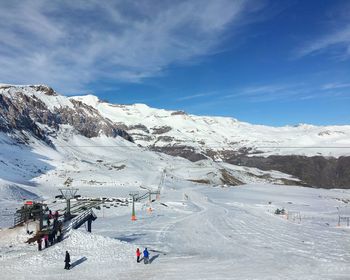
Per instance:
(198,95)
(68,44)
(340,39)
(332,86)
(290,92)
(270,92)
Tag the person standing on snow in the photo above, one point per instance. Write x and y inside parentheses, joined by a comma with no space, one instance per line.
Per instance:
(67,261)
(46,239)
(145,256)
(138,254)
(39,241)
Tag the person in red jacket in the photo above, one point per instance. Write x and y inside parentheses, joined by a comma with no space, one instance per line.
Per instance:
(138,254)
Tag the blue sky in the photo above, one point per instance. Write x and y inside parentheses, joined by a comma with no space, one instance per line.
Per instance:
(262,61)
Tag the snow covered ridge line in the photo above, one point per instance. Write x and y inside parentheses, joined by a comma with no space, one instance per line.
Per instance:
(42,112)
(39,111)
(165,129)
(159,128)
(317,155)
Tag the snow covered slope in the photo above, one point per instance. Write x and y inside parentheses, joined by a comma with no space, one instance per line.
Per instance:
(32,168)
(211,233)
(214,220)
(105,163)
(317,155)
(161,128)
(38,111)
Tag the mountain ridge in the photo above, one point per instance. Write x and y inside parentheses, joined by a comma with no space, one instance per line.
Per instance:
(303,151)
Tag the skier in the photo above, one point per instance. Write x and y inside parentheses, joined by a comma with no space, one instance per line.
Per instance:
(145,256)
(138,254)
(67,261)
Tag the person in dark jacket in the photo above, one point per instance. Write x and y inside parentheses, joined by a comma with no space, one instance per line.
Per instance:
(145,256)
(138,254)
(39,241)
(67,261)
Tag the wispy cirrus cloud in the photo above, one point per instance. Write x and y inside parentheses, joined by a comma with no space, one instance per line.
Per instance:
(198,95)
(264,93)
(288,92)
(335,41)
(339,39)
(68,44)
(331,86)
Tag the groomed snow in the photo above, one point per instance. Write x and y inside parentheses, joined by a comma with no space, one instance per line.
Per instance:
(194,232)
(216,233)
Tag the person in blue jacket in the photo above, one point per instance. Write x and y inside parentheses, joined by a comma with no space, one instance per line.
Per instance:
(145,256)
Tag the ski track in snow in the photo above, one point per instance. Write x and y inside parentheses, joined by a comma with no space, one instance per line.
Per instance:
(215,234)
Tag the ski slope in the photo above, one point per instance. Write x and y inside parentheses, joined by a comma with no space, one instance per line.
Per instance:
(201,228)
(211,233)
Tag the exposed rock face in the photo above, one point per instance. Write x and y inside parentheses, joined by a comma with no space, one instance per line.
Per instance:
(178,113)
(161,129)
(44,89)
(22,110)
(228,179)
(14,117)
(316,171)
(180,151)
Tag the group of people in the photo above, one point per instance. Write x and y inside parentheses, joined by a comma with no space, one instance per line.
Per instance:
(54,233)
(67,264)
(145,256)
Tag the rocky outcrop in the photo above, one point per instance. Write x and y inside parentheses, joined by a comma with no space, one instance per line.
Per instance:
(21,110)
(15,117)
(316,171)
(180,151)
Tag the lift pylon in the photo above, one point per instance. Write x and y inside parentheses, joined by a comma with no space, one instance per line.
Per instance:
(134,196)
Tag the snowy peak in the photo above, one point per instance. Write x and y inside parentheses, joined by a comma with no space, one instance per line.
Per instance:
(89,99)
(41,93)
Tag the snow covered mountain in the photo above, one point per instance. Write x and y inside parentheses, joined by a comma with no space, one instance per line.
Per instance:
(316,155)
(49,141)
(209,136)
(319,155)
(202,227)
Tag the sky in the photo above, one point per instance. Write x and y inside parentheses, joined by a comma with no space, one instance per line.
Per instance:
(262,61)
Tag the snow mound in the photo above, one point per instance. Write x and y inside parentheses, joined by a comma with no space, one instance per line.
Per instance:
(88,253)
(14,192)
